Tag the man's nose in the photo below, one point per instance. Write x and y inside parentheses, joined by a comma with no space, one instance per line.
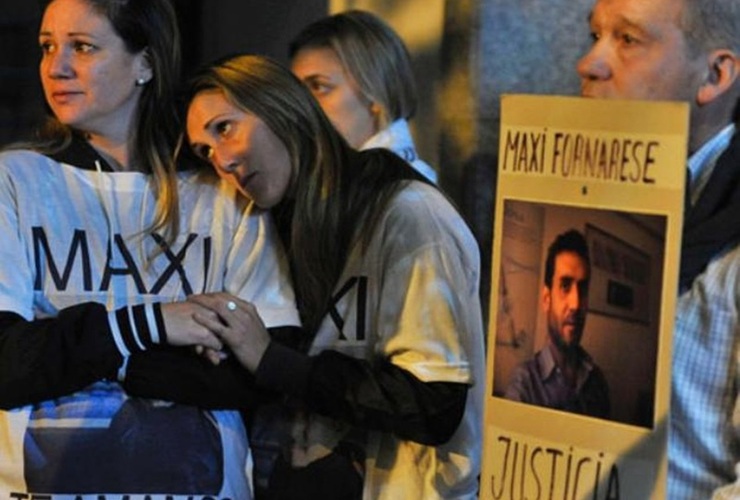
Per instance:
(594,65)
(574,299)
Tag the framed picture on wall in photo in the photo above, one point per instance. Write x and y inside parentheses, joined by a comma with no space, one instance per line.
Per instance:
(620,277)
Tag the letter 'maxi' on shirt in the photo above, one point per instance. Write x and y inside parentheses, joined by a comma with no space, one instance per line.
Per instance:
(78,258)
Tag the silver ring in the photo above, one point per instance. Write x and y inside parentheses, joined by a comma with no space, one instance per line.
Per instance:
(231,305)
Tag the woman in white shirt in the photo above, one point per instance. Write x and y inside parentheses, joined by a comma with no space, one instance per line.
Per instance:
(359,70)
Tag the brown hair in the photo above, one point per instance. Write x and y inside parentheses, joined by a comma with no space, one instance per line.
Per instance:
(337,194)
(150,26)
(372,53)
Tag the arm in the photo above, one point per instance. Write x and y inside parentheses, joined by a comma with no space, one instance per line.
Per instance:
(47,358)
(436,336)
(378,396)
(179,375)
(257,272)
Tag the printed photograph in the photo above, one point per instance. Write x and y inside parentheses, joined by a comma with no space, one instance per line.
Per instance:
(578,310)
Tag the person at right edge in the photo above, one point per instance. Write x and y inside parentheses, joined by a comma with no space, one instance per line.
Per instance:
(688,50)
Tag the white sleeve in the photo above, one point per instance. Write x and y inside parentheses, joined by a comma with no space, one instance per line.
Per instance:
(430,316)
(425,334)
(16,276)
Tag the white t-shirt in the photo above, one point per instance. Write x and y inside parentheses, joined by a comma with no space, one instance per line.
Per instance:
(71,236)
(412,298)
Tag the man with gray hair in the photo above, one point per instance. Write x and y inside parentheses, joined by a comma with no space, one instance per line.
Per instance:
(689,50)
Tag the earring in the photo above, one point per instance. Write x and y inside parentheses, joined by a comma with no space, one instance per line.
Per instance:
(140,82)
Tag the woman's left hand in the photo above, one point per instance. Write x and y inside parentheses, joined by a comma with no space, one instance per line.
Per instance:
(238,325)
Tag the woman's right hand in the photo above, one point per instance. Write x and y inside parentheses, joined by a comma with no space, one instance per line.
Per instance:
(237,323)
(183,330)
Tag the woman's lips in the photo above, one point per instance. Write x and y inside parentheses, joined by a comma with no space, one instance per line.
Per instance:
(64,96)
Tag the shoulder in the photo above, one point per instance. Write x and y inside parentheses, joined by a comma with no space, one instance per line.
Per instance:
(419,226)
(420,199)
(19,165)
(710,289)
(203,187)
(204,196)
(597,373)
(23,157)
(521,380)
(425,210)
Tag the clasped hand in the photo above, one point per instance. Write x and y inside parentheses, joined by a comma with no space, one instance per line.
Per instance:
(213,321)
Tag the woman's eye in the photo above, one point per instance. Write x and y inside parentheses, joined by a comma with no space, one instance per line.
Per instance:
(83,47)
(223,128)
(47,47)
(318,88)
(204,152)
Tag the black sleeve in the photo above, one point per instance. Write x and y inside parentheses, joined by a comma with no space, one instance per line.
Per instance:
(48,358)
(178,374)
(378,396)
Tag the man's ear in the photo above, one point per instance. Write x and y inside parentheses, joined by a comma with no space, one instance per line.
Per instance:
(545,298)
(722,72)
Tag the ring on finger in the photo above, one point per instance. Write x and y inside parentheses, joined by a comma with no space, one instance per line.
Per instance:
(231,305)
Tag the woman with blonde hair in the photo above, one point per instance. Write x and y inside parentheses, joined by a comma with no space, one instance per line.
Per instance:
(359,71)
(389,395)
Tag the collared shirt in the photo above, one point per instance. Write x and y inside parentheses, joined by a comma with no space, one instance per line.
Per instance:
(703,444)
(397,138)
(701,163)
(539,381)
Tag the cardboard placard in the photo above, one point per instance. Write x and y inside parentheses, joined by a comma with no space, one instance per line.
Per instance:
(614,171)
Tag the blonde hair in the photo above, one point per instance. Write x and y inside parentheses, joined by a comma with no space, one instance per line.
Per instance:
(373,54)
(336,194)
